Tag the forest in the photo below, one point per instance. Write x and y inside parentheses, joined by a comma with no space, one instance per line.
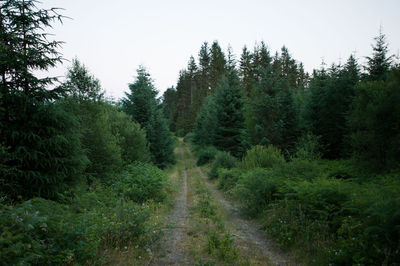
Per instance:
(313,159)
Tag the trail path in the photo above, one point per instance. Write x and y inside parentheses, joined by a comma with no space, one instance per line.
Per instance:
(173,243)
(249,237)
(253,243)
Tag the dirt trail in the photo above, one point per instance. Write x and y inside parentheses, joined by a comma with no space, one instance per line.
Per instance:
(173,243)
(251,239)
(253,243)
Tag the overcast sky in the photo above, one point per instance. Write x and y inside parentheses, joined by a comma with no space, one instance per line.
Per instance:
(113,37)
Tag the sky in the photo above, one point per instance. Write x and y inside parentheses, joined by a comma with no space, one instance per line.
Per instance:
(112,38)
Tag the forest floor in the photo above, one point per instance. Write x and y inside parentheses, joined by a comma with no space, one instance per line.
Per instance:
(204,228)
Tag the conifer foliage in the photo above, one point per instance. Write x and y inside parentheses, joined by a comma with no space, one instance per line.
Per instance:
(43,155)
(141,103)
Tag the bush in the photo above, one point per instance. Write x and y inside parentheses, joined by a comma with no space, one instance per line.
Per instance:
(131,138)
(44,232)
(143,182)
(263,157)
(257,189)
(206,155)
(228,178)
(189,137)
(222,160)
(308,147)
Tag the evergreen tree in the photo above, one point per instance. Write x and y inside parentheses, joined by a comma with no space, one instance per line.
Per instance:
(246,71)
(142,105)
(169,106)
(204,70)
(43,155)
(379,63)
(141,101)
(375,123)
(206,122)
(217,65)
(329,105)
(81,85)
(85,100)
(229,125)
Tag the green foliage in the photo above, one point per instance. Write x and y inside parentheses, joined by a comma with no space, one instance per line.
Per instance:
(222,246)
(308,147)
(379,63)
(270,113)
(43,155)
(44,232)
(229,115)
(98,140)
(375,123)
(143,182)
(188,138)
(160,139)
(262,157)
(228,178)
(256,189)
(205,125)
(206,155)
(81,85)
(131,138)
(142,105)
(26,48)
(328,106)
(222,160)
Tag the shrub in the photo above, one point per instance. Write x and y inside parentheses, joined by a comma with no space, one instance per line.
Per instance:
(206,155)
(228,178)
(222,160)
(189,137)
(44,232)
(143,182)
(257,189)
(308,147)
(131,138)
(263,157)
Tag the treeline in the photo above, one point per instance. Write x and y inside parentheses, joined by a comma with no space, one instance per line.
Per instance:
(315,158)
(270,100)
(68,154)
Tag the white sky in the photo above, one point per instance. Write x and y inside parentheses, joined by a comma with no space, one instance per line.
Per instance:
(113,37)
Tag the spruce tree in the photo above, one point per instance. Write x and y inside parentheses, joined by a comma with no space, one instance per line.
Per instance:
(246,72)
(81,85)
(142,105)
(206,122)
(229,128)
(379,63)
(217,65)
(204,69)
(43,155)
